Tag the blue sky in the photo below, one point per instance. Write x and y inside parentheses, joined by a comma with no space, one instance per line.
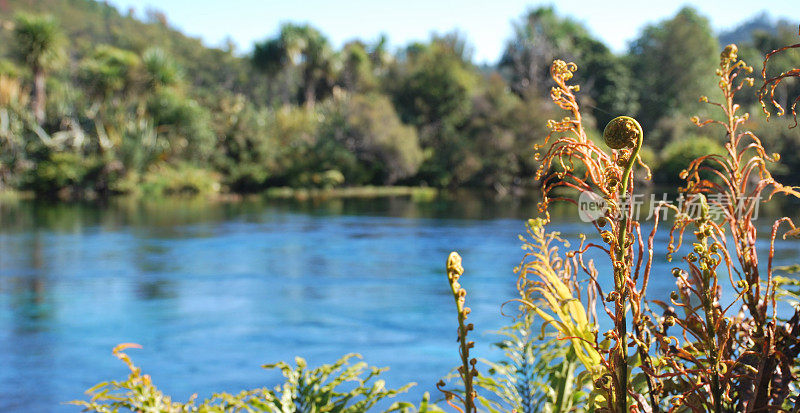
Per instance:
(487,24)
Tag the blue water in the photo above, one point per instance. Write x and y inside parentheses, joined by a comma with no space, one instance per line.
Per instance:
(212,290)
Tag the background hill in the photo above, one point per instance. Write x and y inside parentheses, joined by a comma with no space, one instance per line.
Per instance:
(136,106)
(88,23)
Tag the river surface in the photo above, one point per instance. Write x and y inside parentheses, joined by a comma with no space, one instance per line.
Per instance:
(213,290)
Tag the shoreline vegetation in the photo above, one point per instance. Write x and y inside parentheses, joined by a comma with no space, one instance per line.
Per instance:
(415,193)
(96,102)
(422,193)
(368,191)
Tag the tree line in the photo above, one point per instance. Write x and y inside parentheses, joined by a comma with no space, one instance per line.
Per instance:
(96,103)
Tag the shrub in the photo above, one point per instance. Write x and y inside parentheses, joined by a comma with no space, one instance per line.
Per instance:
(65,175)
(245,150)
(185,122)
(368,127)
(677,155)
(181,179)
(292,132)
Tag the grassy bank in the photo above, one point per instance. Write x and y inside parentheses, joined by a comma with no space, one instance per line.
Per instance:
(415,192)
(419,193)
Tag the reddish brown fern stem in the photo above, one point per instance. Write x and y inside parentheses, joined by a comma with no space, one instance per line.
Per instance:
(735,185)
(770,84)
(708,297)
(735,176)
(744,234)
(742,177)
(743,228)
(609,175)
(653,386)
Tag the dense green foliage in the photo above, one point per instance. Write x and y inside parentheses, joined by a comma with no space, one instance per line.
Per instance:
(95,102)
(536,374)
(340,387)
(670,63)
(677,154)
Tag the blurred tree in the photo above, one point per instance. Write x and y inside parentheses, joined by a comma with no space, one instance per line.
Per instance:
(244,149)
(673,62)
(434,94)
(357,72)
(370,129)
(38,40)
(503,129)
(305,49)
(111,78)
(292,134)
(160,70)
(380,56)
(605,79)
(184,122)
(542,36)
(680,153)
(455,43)
(435,85)
(13,103)
(539,38)
(269,58)
(109,72)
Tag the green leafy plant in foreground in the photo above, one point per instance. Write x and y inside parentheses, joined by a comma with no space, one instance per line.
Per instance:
(309,390)
(137,393)
(305,390)
(535,375)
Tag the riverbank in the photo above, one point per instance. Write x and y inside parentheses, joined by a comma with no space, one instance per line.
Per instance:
(415,192)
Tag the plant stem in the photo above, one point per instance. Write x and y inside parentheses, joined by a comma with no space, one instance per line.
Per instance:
(709,279)
(621,358)
(454,271)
